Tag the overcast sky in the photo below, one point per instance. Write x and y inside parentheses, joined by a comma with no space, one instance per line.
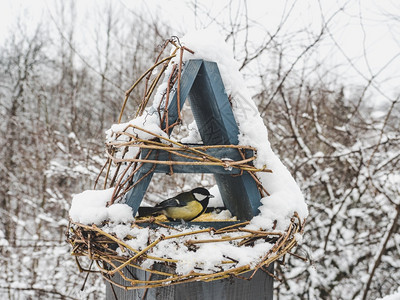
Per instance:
(367,32)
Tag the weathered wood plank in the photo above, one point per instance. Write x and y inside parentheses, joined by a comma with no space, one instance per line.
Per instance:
(221,153)
(135,196)
(216,123)
(260,287)
(189,73)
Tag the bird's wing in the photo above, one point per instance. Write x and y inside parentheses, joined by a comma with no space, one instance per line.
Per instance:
(171,202)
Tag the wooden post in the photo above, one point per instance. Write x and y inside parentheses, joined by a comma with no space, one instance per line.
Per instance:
(260,287)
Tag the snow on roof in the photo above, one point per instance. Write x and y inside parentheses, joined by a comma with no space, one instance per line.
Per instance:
(285,195)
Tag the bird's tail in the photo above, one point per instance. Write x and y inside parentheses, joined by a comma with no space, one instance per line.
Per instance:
(149,211)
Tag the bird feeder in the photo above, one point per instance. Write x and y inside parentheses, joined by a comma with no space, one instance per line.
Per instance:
(220,154)
(202,85)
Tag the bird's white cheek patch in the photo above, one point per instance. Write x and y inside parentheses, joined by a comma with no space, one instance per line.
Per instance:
(199,196)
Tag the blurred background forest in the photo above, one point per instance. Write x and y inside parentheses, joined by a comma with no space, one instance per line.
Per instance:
(335,123)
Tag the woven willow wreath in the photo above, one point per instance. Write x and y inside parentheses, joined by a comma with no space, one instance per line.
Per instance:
(112,254)
(100,246)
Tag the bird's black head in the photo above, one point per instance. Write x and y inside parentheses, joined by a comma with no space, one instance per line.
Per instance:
(201,194)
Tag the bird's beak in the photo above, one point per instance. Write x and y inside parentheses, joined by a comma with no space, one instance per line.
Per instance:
(212,196)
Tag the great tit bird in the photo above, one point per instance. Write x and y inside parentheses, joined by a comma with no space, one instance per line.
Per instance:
(185,206)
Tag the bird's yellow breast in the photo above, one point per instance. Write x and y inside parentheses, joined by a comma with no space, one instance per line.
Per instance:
(187,212)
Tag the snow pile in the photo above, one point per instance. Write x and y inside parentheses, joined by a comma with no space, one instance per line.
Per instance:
(208,256)
(90,207)
(194,135)
(149,121)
